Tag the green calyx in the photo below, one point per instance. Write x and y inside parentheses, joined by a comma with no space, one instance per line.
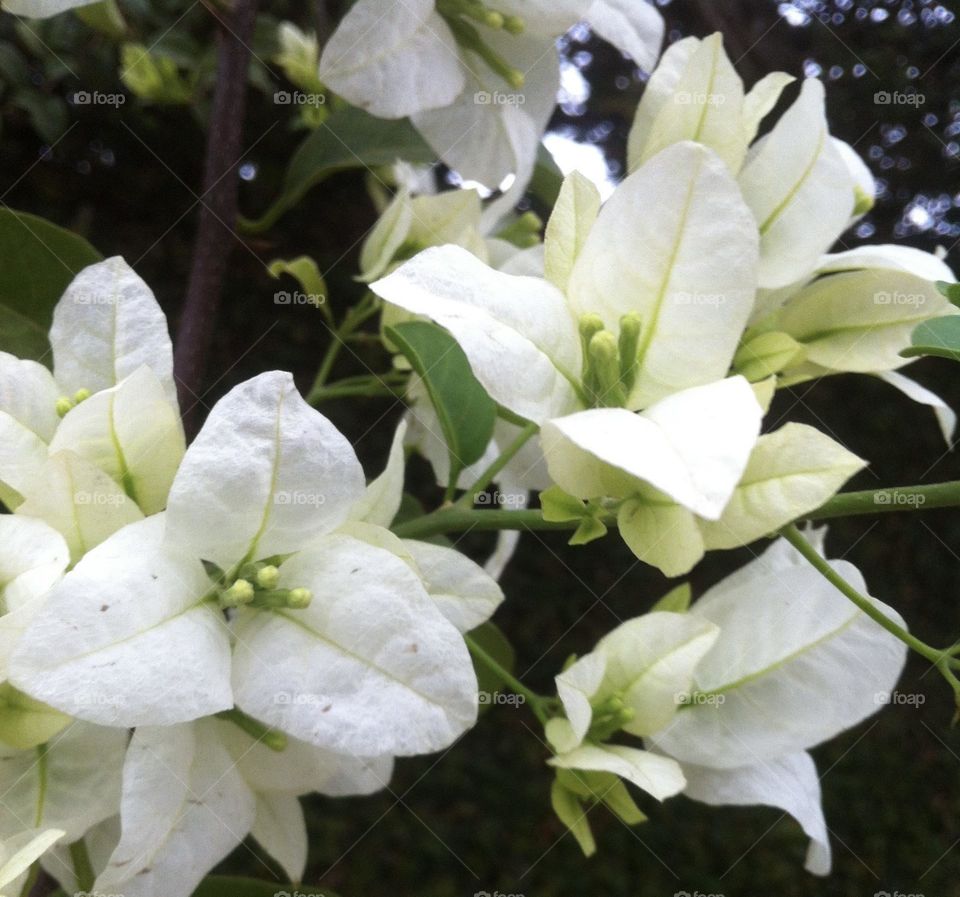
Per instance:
(256,586)
(609,718)
(610,362)
(460,14)
(68,403)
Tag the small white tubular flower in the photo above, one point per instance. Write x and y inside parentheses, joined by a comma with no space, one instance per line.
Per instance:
(347,652)
(795,664)
(487,75)
(112,385)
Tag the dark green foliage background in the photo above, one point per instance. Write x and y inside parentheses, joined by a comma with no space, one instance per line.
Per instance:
(477,818)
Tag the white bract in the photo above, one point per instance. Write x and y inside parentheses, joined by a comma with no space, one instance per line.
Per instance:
(192,792)
(19,853)
(479,83)
(794,665)
(110,408)
(42,9)
(368,666)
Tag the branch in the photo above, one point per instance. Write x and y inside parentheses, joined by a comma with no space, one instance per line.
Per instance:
(218,212)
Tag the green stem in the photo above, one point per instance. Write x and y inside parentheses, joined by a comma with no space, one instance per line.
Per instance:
(82,867)
(457,520)
(490,474)
(884,501)
(367,307)
(272,738)
(936,656)
(30,880)
(536,701)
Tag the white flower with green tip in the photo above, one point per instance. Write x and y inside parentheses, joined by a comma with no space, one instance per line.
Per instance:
(479,81)
(331,639)
(19,853)
(794,665)
(111,399)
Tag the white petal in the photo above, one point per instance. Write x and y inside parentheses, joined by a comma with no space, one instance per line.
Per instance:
(651,662)
(125,638)
(662,534)
(29,394)
(573,215)
(860,320)
(23,455)
(393,58)
(22,851)
(184,808)
(80,502)
(946,416)
(100,840)
(635,29)
(132,433)
(796,664)
(659,776)
(693,446)
(761,99)
(576,687)
(689,271)
(106,325)
(371,667)
(924,265)
(281,831)
(381,501)
(77,786)
(266,475)
(706,106)
(517,332)
(790,472)
(302,768)
(789,783)
(461,589)
(42,9)
(800,190)
(657,93)
(385,239)
(861,178)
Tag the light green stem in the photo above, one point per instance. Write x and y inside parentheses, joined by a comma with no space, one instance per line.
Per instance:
(82,867)
(490,474)
(536,701)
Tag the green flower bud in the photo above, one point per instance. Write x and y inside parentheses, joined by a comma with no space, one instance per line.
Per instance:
(299,598)
(268,577)
(240,593)
(63,406)
(81,395)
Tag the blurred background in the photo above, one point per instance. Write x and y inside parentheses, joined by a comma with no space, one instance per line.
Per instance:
(477,818)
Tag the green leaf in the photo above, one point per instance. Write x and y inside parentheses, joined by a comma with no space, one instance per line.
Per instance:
(234,886)
(547,178)
(950,290)
(348,139)
(492,640)
(676,600)
(467,414)
(939,337)
(39,261)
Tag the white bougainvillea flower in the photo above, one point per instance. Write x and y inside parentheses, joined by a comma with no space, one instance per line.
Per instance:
(111,399)
(341,646)
(789,472)
(689,277)
(20,852)
(480,91)
(192,792)
(795,664)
